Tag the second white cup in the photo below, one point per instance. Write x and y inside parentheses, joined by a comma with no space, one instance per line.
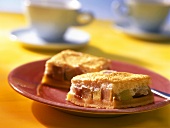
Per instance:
(148,15)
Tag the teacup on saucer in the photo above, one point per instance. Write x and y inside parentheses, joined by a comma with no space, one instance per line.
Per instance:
(147,15)
(51,19)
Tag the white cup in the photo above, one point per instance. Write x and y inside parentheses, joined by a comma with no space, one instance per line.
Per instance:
(148,15)
(51,18)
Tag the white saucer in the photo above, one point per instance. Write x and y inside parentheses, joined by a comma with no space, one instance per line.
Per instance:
(162,35)
(73,38)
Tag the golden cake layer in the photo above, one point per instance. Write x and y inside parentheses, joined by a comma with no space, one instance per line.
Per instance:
(60,69)
(110,89)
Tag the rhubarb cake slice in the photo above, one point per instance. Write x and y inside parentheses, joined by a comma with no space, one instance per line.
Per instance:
(60,69)
(109,89)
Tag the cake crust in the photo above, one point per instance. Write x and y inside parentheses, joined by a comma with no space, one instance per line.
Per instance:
(111,105)
(119,81)
(110,89)
(62,67)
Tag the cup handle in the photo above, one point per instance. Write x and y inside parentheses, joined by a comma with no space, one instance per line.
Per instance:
(84,18)
(120,7)
(121,11)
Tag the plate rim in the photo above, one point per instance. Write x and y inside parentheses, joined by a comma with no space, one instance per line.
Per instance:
(83,110)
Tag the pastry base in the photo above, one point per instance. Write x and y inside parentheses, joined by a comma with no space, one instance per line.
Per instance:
(135,102)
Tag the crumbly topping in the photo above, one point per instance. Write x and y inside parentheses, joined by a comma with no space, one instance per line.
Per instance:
(118,81)
(72,59)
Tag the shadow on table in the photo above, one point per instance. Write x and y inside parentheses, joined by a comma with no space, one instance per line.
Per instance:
(53,118)
(94,51)
(98,52)
(154,41)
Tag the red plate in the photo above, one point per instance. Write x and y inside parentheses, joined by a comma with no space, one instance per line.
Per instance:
(26,78)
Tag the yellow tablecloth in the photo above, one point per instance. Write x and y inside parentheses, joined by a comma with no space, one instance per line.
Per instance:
(17,111)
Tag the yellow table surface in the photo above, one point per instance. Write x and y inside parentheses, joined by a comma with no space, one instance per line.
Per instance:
(18,111)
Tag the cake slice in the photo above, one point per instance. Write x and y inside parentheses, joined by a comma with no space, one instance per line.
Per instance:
(62,67)
(109,89)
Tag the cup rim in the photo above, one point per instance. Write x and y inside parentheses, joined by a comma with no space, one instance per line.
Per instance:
(68,4)
(155,2)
